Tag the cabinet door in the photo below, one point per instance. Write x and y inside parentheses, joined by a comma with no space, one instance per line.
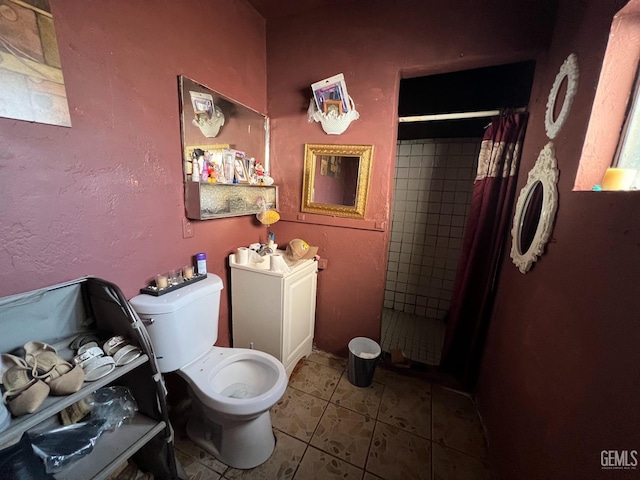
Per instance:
(299,315)
(256,306)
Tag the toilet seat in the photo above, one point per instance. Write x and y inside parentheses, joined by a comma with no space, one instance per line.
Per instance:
(236,381)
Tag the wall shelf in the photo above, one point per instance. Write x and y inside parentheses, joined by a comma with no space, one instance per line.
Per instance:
(206,201)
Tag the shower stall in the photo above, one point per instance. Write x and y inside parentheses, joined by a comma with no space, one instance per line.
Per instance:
(442,119)
(432,194)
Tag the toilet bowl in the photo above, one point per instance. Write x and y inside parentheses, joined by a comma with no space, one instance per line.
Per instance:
(232,389)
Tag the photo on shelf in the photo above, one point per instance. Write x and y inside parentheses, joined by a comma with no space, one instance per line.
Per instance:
(241,170)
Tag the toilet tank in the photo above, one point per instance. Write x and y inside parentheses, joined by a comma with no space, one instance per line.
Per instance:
(182,324)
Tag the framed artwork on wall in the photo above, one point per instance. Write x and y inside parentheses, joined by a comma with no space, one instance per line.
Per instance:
(31,82)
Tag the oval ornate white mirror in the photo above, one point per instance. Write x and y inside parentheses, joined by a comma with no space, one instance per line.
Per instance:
(336,179)
(535,211)
(568,71)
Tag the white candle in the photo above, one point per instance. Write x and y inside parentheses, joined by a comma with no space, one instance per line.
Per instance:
(187,272)
(162,281)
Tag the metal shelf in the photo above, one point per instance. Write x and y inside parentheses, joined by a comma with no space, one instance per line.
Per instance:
(112,449)
(60,313)
(53,405)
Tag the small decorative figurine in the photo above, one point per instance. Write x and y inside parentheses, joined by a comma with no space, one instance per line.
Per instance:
(260,173)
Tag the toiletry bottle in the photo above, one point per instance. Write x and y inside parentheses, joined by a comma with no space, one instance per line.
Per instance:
(204,176)
(197,160)
(188,168)
(201,262)
(195,171)
(229,173)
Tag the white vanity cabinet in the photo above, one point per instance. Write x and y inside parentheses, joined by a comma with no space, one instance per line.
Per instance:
(274,312)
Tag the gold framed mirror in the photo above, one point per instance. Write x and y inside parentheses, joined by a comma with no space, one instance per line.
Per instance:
(336,179)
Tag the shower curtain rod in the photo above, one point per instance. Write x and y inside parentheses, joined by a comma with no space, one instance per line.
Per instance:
(454,116)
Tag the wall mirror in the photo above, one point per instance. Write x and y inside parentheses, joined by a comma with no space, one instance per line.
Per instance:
(535,211)
(555,117)
(336,179)
(209,118)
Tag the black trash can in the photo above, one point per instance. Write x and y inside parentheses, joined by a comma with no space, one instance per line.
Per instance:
(363,357)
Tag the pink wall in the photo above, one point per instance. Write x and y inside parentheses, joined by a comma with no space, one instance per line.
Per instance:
(377,43)
(559,380)
(105,197)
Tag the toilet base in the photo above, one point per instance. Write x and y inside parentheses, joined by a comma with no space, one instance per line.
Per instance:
(237,443)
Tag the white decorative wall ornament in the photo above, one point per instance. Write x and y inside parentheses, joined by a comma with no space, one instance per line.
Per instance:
(332,122)
(210,126)
(535,211)
(569,69)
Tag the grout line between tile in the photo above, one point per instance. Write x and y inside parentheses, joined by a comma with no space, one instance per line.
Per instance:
(433,473)
(444,445)
(375,425)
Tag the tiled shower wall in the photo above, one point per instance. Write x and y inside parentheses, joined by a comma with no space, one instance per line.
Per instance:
(433,187)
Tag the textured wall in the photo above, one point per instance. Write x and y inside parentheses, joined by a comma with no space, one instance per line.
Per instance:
(374,44)
(559,381)
(105,197)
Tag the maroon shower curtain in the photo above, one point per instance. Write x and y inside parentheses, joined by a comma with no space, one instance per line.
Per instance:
(488,223)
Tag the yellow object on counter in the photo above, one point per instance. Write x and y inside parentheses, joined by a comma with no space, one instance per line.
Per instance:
(618,178)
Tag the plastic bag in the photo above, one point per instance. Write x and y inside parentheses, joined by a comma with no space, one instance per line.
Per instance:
(19,461)
(62,446)
(114,405)
(110,408)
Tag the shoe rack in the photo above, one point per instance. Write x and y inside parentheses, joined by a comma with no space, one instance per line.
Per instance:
(59,314)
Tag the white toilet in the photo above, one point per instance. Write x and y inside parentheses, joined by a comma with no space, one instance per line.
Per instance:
(232,389)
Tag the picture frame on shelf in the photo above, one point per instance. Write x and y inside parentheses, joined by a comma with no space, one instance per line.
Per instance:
(240,170)
(212,154)
(217,148)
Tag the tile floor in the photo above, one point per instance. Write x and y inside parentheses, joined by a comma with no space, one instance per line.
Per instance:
(401,427)
(420,338)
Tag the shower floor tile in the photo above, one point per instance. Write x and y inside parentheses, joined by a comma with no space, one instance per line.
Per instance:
(420,338)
